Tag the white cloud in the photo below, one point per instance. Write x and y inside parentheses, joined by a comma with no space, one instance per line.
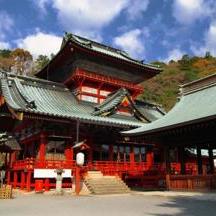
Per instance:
(188,11)
(209,42)
(40,43)
(4,45)
(174,54)
(42,5)
(131,42)
(136,8)
(87,15)
(6,23)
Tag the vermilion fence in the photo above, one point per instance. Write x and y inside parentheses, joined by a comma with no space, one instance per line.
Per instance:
(192,182)
(106,167)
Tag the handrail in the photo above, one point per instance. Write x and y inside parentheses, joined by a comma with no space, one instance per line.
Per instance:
(108,79)
(105,166)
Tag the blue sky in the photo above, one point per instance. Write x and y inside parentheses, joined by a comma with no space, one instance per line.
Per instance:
(147,29)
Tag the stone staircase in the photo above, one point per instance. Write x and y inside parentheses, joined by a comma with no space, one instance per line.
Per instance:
(99,184)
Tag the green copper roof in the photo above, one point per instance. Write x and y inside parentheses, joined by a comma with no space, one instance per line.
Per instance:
(144,112)
(107,50)
(41,97)
(112,101)
(197,104)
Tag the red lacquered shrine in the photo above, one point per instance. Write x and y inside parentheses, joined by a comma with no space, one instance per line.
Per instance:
(186,136)
(80,101)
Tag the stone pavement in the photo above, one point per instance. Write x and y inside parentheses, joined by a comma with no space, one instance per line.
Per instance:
(135,204)
(211,196)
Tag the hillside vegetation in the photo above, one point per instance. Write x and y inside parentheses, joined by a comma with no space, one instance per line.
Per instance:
(164,88)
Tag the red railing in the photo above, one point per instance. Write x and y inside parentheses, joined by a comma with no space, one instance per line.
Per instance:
(107,79)
(190,168)
(192,182)
(107,167)
(47,164)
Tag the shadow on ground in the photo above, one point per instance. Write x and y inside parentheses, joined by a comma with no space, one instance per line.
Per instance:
(189,207)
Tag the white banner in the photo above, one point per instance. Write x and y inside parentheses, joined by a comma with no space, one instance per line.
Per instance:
(51,173)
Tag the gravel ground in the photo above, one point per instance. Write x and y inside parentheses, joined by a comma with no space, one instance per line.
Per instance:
(119,205)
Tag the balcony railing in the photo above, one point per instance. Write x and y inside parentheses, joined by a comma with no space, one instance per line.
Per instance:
(107,167)
(46,164)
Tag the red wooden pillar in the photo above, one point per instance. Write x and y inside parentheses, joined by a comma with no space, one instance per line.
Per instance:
(78,179)
(12,158)
(72,154)
(15,177)
(211,160)
(9,161)
(182,159)
(132,158)
(111,152)
(22,186)
(8,177)
(167,165)
(42,148)
(150,158)
(68,153)
(47,184)
(167,159)
(28,181)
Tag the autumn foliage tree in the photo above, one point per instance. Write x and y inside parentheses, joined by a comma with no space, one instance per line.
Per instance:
(6,61)
(22,61)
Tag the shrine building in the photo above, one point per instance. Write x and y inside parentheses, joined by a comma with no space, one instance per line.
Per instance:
(86,100)
(80,101)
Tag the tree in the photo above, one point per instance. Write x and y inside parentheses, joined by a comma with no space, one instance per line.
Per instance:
(5,53)
(208,55)
(185,62)
(23,61)
(52,55)
(6,61)
(41,61)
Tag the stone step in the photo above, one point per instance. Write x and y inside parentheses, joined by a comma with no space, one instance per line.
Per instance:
(98,181)
(105,183)
(94,174)
(102,179)
(110,191)
(99,184)
(106,186)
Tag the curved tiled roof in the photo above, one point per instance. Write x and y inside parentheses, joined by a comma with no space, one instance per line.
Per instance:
(41,97)
(106,50)
(197,104)
(142,111)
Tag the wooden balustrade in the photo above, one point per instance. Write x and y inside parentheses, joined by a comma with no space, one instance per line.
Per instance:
(47,164)
(192,182)
(107,167)
(135,173)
